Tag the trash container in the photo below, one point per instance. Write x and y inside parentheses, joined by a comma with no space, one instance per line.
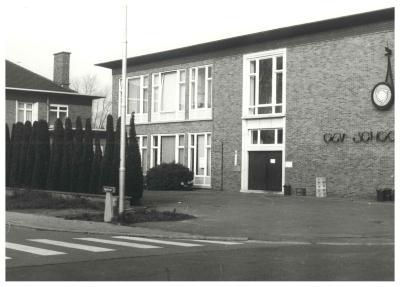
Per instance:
(384,194)
(287,190)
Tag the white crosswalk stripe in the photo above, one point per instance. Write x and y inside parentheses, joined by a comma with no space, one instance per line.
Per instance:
(217,242)
(121,243)
(183,244)
(31,249)
(72,245)
(8,258)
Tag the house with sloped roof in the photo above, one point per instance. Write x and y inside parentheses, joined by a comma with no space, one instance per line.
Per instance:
(32,97)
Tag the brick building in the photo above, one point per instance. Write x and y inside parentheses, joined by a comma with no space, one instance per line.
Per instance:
(32,97)
(256,112)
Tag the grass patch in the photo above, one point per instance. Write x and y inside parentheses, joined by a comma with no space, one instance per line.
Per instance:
(135,217)
(38,200)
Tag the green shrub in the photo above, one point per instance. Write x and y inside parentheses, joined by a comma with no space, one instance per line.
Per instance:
(169,176)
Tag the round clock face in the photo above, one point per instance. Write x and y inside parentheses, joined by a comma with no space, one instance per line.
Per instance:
(382,96)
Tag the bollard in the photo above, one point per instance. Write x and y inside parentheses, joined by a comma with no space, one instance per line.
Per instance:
(109,203)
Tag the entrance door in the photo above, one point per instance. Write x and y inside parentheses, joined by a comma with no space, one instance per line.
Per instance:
(265,170)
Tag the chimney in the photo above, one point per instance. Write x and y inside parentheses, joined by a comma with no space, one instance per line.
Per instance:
(61,69)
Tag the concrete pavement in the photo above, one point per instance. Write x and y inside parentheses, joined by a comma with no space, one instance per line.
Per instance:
(241,216)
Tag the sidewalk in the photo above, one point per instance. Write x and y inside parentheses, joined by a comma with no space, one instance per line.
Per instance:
(240,216)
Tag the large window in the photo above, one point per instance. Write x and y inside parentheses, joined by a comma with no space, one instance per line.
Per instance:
(167,148)
(25,112)
(200,158)
(57,112)
(169,95)
(142,142)
(200,92)
(265,83)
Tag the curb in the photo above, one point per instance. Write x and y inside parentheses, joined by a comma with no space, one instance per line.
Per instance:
(166,236)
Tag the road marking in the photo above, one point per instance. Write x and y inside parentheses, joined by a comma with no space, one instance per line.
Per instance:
(217,242)
(282,242)
(355,243)
(30,249)
(121,243)
(8,258)
(157,241)
(72,245)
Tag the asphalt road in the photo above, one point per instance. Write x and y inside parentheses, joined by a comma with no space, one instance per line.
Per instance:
(102,258)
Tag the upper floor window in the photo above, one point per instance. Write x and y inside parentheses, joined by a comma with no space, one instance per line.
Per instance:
(169,92)
(200,92)
(264,82)
(137,99)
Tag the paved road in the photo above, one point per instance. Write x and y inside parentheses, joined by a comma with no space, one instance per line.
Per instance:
(61,256)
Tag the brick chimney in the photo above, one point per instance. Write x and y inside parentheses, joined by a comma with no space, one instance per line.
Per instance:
(61,69)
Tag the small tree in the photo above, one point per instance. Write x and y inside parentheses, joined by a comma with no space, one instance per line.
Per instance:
(134,172)
(53,178)
(42,156)
(27,131)
(106,176)
(18,139)
(7,154)
(66,167)
(86,159)
(77,154)
(94,185)
(116,157)
(30,155)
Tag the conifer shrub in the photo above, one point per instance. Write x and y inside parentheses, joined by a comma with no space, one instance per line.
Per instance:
(53,177)
(86,159)
(68,151)
(134,172)
(27,131)
(17,142)
(106,171)
(8,140)
(77,154)
(42,156)
(30,155)
(94,183)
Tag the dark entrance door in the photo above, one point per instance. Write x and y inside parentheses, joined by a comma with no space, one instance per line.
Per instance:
(265,170)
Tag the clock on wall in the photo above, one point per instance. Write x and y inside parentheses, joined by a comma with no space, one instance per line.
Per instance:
(382,96)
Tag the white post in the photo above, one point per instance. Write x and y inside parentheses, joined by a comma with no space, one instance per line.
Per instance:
(123,120)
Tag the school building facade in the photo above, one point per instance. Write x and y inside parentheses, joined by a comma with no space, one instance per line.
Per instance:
(256,112)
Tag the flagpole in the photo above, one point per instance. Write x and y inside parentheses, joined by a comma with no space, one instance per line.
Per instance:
(123,119)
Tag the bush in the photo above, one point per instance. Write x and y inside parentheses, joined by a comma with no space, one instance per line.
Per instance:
(169,176)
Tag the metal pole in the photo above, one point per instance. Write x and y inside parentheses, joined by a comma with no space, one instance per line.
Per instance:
(123,120)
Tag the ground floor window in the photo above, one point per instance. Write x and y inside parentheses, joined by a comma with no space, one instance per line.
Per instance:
(200,158)
(57,112)
(142,143)
(25,112)
(167,148)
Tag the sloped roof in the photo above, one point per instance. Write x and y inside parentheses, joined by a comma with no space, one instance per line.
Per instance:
(20,78)
(308,28)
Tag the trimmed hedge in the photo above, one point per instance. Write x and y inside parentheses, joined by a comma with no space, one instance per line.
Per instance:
(169,176)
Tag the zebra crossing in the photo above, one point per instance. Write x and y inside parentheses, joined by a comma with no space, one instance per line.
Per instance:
(48,247)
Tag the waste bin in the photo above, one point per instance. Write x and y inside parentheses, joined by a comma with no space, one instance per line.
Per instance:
(384,194)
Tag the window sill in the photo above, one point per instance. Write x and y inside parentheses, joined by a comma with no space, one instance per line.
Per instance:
(249,117)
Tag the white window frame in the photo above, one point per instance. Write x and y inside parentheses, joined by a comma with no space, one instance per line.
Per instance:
(259,136)
(177,147)
(176,114)
(247,59)
(193,145)
(142,147)
(56,108)
(140,116)
(205,112)
(33,110)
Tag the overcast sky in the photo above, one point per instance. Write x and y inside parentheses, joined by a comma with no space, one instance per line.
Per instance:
(92,30)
